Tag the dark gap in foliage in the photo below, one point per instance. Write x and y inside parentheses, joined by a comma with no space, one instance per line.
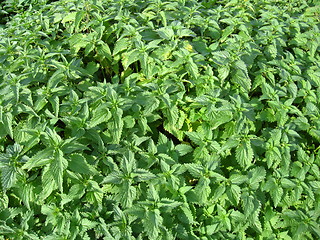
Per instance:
(60,127)
(170,136)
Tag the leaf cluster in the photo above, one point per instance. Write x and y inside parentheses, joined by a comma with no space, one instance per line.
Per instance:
(159,119)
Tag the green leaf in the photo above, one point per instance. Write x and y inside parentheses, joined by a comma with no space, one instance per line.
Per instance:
(272,51)
(143,175)
(92,67)
(183,149)
(166,32)
(195,137)
(77,41)
(187,215)
(220,118)
(152,223)
(221,57)
(223,72)
(151,105)
(226,33)
(56,77)
(219,191)
(127,194)
(256,175)
(89,48)
(57,167)
(8,175)
(69,17)
(116,128)
(7,122)
(244,154)
(241,78)
(276,195)
(202,190)
(196,170)
(75,192)
(79,164)
(27,195)
(167,204)
(251,206)
(104,51)
(238,179)
(192,69)
(99,115)
(234,193)
(114,177)
(273,156)
(42,158)
(70,145)
(48,184)
(121,44)
(78,19)
(153,194)
(130,57)
(287,183)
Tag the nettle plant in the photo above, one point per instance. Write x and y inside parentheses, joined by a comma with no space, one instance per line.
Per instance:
(159,120)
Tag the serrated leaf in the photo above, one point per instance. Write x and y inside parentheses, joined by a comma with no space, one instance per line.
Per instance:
(69,17)
(143,175)
(221,57)
(127,194)
(256,175)
(77,41)
(99,115)
(195,137)
(104,50)
(226,32)
(152,222)
(121,44)
(48,184)
(223,72)
(187,216)
(79,164)
(233,193)
(219,191)
(166,32)
(114,177)
(76,191)
(78,18)
(151,105)
(70,145)
(89,48)
(276,195)
(287,183)
(42,158)
(7,122)
(241,78)
(57,168)
(130,57)
(26,194)
(273,156)
(196,170)
(116,126)
(168,204)
(238,179)
(8,176)
(192,69)
(244,154)
(152,193)
(202,190)
(183,149)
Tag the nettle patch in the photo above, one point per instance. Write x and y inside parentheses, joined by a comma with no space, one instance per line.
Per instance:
(159,120)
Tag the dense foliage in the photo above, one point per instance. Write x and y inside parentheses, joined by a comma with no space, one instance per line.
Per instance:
(129,119)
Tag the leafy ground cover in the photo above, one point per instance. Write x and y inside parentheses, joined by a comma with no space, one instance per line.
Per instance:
(159,120)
